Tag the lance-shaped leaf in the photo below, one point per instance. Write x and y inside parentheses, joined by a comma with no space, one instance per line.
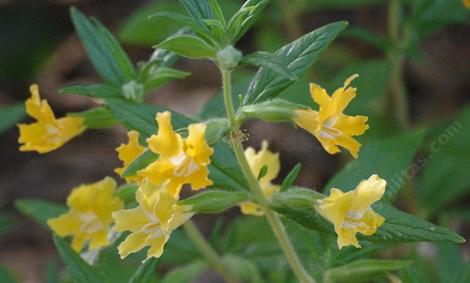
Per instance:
(39,210)
(105,53)
(389,158)
(398,226)
(363,269)
(79,270)
(214,201)
(142,161)
(95,90)
(188,46)
(145,271)
(297,56)
(10,115)
(270,61)
(245,18)
(96,118)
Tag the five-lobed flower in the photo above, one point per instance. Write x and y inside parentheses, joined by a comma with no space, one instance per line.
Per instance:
(257,160)
(181,161)
(151,222)
(89,217)
(47,133)
(329,124)
(127,153)
(351,212)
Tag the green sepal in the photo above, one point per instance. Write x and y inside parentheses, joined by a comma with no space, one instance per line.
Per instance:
(213,201)
(142,161)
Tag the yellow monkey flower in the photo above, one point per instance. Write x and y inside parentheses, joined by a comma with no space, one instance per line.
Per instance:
(258,160)
(329,124)
(151,222)
(48,133)
(181,161)
(89,217)
(127,153)
(351,212)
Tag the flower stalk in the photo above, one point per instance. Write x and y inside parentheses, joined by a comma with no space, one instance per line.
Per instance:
(208,252)
(273,218)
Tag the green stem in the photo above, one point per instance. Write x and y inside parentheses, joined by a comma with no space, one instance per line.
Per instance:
(209,253)
(397,90)
(273,218)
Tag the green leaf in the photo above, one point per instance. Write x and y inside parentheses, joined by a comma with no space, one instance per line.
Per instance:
(242,21)
(10,115)
(216,130)
(51,273)
(139,29)
(40,210)
(162,75)
(298,56)
(188,46)
(97,118)
(185,273)
(126,192)
(79,270)
(6,276)
(182,20)
(291,177)
(7,222)
(389,158)
(199,10)
(143,160)
(398,226)
(105,53)
(446,167)
(95,90)
(244,268)
(141,117)
(275,110)
(270,61)
(363,270)
(145,272)
(317,5)
(214,201)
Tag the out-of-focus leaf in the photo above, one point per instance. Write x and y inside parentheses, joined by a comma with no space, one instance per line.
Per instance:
(105,53)
(51,273)
(446,169)
(39,210)
(297,56)
(95,90)
(214,201)
(79,270)
(244,268)
(162,75)
(144,272)
(185,273)
(10,115)
(7,221)
(451,265)
(142,30)
(389,158)
(339,4)
(429,16)
(363,270)
(188,46)
(6,276)
(375,39)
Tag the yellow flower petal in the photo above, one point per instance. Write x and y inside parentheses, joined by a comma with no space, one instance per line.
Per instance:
(89,217)
(48,133)
(466,3)
(258,160)
(181,161)
(351,212)
(330,125)
(152,222)
(127,153)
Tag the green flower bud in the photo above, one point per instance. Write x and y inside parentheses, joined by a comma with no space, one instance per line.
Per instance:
(229,57)
(133,91)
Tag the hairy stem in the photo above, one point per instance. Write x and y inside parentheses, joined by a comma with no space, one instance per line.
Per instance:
(273,218)
(398,106)
(208,252)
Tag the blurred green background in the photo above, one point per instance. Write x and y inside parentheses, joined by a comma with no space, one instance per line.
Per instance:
(428,58)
